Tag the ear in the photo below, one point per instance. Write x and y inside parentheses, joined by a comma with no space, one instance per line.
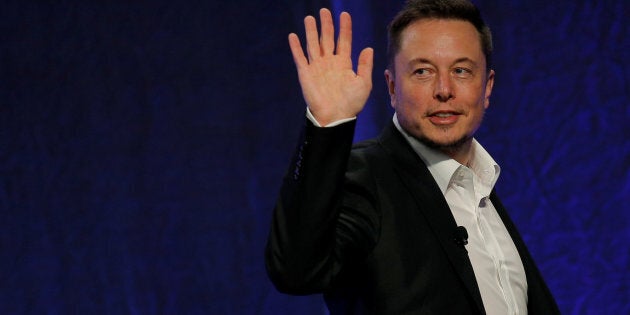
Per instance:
(488,92)
(391,87)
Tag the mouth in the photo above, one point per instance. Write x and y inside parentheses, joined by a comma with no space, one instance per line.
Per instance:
(443,118)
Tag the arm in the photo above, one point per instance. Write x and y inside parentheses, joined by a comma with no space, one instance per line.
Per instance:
(308,236)
(300,250)
(326,217)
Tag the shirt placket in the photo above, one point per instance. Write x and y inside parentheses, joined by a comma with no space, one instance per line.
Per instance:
(494,249)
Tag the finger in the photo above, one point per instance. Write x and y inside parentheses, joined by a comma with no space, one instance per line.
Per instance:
(296,50)
(327,40)
(344,42)
(312,38)
(366,64)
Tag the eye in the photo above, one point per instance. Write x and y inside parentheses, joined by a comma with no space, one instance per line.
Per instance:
(421,72)
(462,72)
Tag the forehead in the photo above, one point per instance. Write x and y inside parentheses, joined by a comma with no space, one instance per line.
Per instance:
(444,38)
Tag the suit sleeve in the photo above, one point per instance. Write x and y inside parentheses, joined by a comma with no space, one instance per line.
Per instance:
(314,230)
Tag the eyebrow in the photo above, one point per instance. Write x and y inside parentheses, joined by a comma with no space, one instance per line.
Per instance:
(458,60)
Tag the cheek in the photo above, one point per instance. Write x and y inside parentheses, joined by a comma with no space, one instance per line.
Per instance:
(412,97)
(477,117)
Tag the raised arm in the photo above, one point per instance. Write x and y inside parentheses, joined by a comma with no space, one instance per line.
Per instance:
(331,88)
(310,241)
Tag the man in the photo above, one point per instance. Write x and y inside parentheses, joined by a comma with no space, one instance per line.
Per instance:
(407,223)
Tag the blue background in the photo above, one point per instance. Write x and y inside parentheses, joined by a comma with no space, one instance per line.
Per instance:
(142,145)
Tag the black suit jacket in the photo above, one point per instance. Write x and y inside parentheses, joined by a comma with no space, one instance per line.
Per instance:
(369,227)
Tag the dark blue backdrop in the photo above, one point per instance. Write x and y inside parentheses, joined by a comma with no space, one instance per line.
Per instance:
(142,145)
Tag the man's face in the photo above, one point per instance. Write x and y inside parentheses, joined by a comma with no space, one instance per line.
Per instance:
(440,88)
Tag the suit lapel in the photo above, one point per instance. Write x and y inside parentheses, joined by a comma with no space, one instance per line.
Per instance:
(417,178)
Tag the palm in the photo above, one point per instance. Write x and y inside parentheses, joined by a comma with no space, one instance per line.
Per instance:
(331,88)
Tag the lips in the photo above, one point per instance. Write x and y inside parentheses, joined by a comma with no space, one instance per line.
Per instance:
(444,117)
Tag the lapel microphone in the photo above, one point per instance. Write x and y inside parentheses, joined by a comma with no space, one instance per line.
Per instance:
(461,236)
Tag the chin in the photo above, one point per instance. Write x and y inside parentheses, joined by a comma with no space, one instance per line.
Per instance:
(453,144)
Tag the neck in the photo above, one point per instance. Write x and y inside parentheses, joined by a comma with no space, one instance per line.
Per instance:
(460,153)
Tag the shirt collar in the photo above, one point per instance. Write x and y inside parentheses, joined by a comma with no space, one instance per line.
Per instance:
(442,167)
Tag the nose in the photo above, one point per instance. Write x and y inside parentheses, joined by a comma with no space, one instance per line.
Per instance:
(443,90)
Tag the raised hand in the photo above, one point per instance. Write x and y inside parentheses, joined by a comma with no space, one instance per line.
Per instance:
(331,88)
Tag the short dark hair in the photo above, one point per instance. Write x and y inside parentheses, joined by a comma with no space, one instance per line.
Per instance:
(415,10)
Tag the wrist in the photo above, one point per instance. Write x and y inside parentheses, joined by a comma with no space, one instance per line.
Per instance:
(327,123)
